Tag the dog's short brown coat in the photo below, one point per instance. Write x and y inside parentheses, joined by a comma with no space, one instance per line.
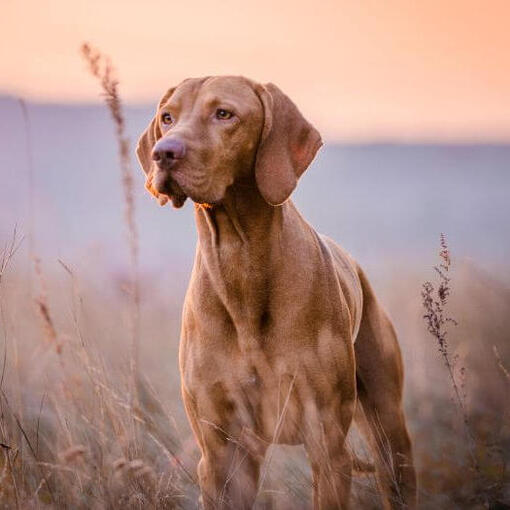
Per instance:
(283,340)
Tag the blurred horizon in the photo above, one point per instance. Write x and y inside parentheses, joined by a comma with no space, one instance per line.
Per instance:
(386,203)
(362,140)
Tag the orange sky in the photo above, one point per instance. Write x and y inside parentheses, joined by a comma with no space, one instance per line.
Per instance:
(398,69)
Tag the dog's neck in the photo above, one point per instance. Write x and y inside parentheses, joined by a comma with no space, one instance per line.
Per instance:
(242,217)
(239,242)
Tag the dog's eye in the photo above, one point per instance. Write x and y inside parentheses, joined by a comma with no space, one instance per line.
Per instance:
(166,119)
(222,114)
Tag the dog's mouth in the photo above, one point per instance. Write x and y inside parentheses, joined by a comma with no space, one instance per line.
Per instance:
(167,189)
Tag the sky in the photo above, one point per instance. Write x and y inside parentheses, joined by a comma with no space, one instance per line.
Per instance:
(428,70)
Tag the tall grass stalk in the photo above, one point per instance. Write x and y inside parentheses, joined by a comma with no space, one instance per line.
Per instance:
(8,252)
(435,301)
(30,169)
(101,68)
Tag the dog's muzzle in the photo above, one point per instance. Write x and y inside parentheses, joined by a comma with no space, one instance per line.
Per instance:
(167,152)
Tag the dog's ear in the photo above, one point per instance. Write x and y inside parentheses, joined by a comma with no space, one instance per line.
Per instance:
(287,146)
(144,149)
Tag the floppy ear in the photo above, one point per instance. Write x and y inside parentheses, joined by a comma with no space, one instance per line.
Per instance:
(287,146)
(144,150)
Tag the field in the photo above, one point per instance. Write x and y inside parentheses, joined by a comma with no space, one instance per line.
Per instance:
(70,437)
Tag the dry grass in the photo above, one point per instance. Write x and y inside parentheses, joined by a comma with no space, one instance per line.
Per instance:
(66,429)
(435,302)
(101,68)
(485,455)
(66,416)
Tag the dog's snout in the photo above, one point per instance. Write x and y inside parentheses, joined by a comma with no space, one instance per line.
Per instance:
(167,150)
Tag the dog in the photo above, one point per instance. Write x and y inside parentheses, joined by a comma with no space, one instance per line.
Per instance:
(283,340)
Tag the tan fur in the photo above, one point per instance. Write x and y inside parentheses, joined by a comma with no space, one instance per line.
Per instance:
(282,335)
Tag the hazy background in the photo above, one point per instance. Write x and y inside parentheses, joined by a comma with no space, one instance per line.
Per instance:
(413,101)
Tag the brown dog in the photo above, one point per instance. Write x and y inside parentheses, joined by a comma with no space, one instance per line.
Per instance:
(282,336)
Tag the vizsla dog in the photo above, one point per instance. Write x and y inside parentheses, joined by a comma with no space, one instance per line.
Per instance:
(283,340)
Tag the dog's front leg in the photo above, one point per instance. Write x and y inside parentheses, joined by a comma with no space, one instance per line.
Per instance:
(331,468)
(228,471)
(228,478)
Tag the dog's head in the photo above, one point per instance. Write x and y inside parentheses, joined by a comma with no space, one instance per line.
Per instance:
(209,133)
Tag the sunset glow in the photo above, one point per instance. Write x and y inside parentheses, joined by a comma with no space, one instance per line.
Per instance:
(359,70)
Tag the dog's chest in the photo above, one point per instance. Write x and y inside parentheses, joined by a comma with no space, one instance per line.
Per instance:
(266,391)
(250,395)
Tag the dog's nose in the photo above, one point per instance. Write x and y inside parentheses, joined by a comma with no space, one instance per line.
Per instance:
(167,150)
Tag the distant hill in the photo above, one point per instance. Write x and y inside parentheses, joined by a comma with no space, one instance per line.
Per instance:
(383,202)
